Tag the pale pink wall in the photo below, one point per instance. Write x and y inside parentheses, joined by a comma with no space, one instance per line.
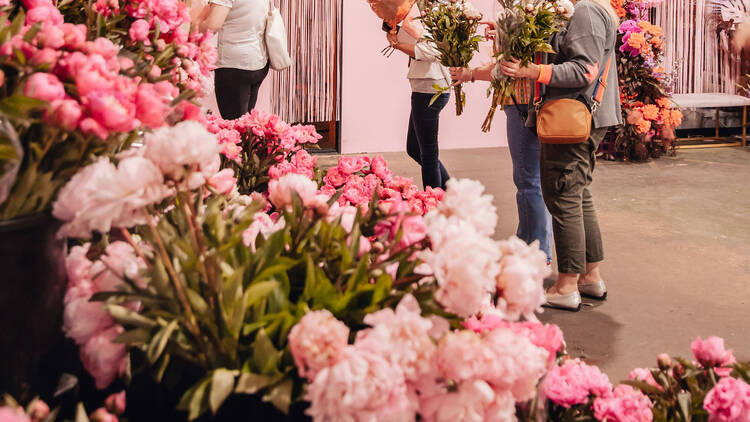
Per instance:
(375,98)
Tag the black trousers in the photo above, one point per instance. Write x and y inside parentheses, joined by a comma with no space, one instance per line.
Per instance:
(237,90)
(422,139)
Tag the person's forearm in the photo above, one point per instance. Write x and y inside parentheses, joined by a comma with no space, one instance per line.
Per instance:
(406,48)
(484,73)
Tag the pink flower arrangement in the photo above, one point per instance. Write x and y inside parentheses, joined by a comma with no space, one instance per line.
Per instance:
(711,353)
(625,405)
(728,401)
(473,401)
(574,382)
(317,341)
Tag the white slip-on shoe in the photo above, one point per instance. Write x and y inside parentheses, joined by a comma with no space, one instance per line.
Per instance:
(569,302)
(596,290)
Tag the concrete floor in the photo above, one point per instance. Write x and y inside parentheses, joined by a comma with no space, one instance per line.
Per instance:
(677,240)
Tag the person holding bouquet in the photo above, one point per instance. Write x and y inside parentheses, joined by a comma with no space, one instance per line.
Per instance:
(534,221)
(584,50)
(425,74)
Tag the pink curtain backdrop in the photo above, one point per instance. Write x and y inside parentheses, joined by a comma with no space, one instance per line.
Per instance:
(375,100)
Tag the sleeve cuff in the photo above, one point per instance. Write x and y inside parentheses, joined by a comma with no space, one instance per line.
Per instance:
(545,74)
(226,3)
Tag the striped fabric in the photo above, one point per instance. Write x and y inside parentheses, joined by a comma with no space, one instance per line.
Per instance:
(523,89)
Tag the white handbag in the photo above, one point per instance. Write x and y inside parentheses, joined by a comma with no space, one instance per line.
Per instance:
(278,51)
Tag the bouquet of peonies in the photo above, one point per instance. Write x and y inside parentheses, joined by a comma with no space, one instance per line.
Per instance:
(523,31)
(452,27)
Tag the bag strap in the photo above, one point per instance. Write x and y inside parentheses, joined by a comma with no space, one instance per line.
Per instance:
(601,86)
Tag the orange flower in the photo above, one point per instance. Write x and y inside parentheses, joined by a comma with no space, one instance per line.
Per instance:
(637,40)
(659,69)
(656,42)
(664,102)
(642,126)
(617,5)
(676,118)
(650,112)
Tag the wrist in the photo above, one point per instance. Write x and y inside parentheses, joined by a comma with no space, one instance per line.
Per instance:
(473,79)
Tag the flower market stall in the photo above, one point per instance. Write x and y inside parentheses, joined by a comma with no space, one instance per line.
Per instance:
(160,263)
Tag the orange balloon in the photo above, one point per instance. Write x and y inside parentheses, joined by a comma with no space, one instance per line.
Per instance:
(392,12)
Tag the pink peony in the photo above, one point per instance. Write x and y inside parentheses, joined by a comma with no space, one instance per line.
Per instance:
(401,337)
(185,153)
(45,87)
(104,359)
(462,355)
(517,364)
(625,405)
(351,165)
(47,14)
(139,30)
(711,352)
(66,113)
(101,196)
(280,192)
(521,280)
(380,169)
(51,36)
(473,401)
(464,262)
(728,401)
(8,414)
(645,375)
(90,126)
(335,177)
(38,410)
(45,57)
(103,47)
(223,181)
(344,214)
(151,107)
(74,36)
(412,227)
(317,341)
(573,383)
(360,386)
(112,110)
(116,403)
(262,224)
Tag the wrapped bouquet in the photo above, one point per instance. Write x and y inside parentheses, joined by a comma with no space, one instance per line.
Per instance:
(523,30)
(452,26)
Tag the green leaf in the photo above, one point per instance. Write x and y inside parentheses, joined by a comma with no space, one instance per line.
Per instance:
(685,401)
(222,385)
(259,292)
(194,401)
(250,383)
(135,337)
(160,340)
(265,355)
(127,316)
(643,386)
(281,395)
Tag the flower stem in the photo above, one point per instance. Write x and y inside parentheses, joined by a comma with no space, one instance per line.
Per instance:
(460,98)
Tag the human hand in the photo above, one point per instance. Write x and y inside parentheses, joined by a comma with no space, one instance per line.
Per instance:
(490,31)
(514,69)
(392,38)
(461,75)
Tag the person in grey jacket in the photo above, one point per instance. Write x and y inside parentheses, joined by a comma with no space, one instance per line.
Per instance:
(583,50)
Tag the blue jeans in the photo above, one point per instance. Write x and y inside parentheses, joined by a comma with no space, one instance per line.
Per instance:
(422,139)
(534,221)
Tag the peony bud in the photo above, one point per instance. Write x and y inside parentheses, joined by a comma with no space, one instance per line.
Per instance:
(678,371)
(160,45)
(116,403)
(664,361)
(38,410)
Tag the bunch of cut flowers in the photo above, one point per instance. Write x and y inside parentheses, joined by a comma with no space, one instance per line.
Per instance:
(452,26)
(523,31)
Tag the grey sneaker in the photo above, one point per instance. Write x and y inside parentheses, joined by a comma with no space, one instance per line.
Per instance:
(596,290)
(568,302)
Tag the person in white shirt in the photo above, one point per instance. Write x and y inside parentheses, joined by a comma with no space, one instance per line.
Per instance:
(242,64)
(425,71)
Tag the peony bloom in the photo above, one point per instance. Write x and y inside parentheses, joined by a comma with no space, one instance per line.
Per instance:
(547,336)
(151,107)
(573,383)
(8,414)
(521,279)
(335,177)
(45,87)
(38,410)
(104,359)
(351,165)
(380,169)
(361,386)
(280,192)
(473,401)
(223,181)
(116,403)
(462,355)
(101,196)
(625,405)
(66,113)
(464,199)
(465,264)
(711,352)
(262,224)
(317,341)
(412,227)
(139,30)
(401,337)
(517,364)
(185,153)
(112,110)
(345,214)
(728,401)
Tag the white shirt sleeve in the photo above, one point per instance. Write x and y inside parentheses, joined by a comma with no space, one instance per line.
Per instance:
(227,3)
(426,51)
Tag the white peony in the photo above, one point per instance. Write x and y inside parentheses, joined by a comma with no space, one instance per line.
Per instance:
(521,280)
(465,199)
